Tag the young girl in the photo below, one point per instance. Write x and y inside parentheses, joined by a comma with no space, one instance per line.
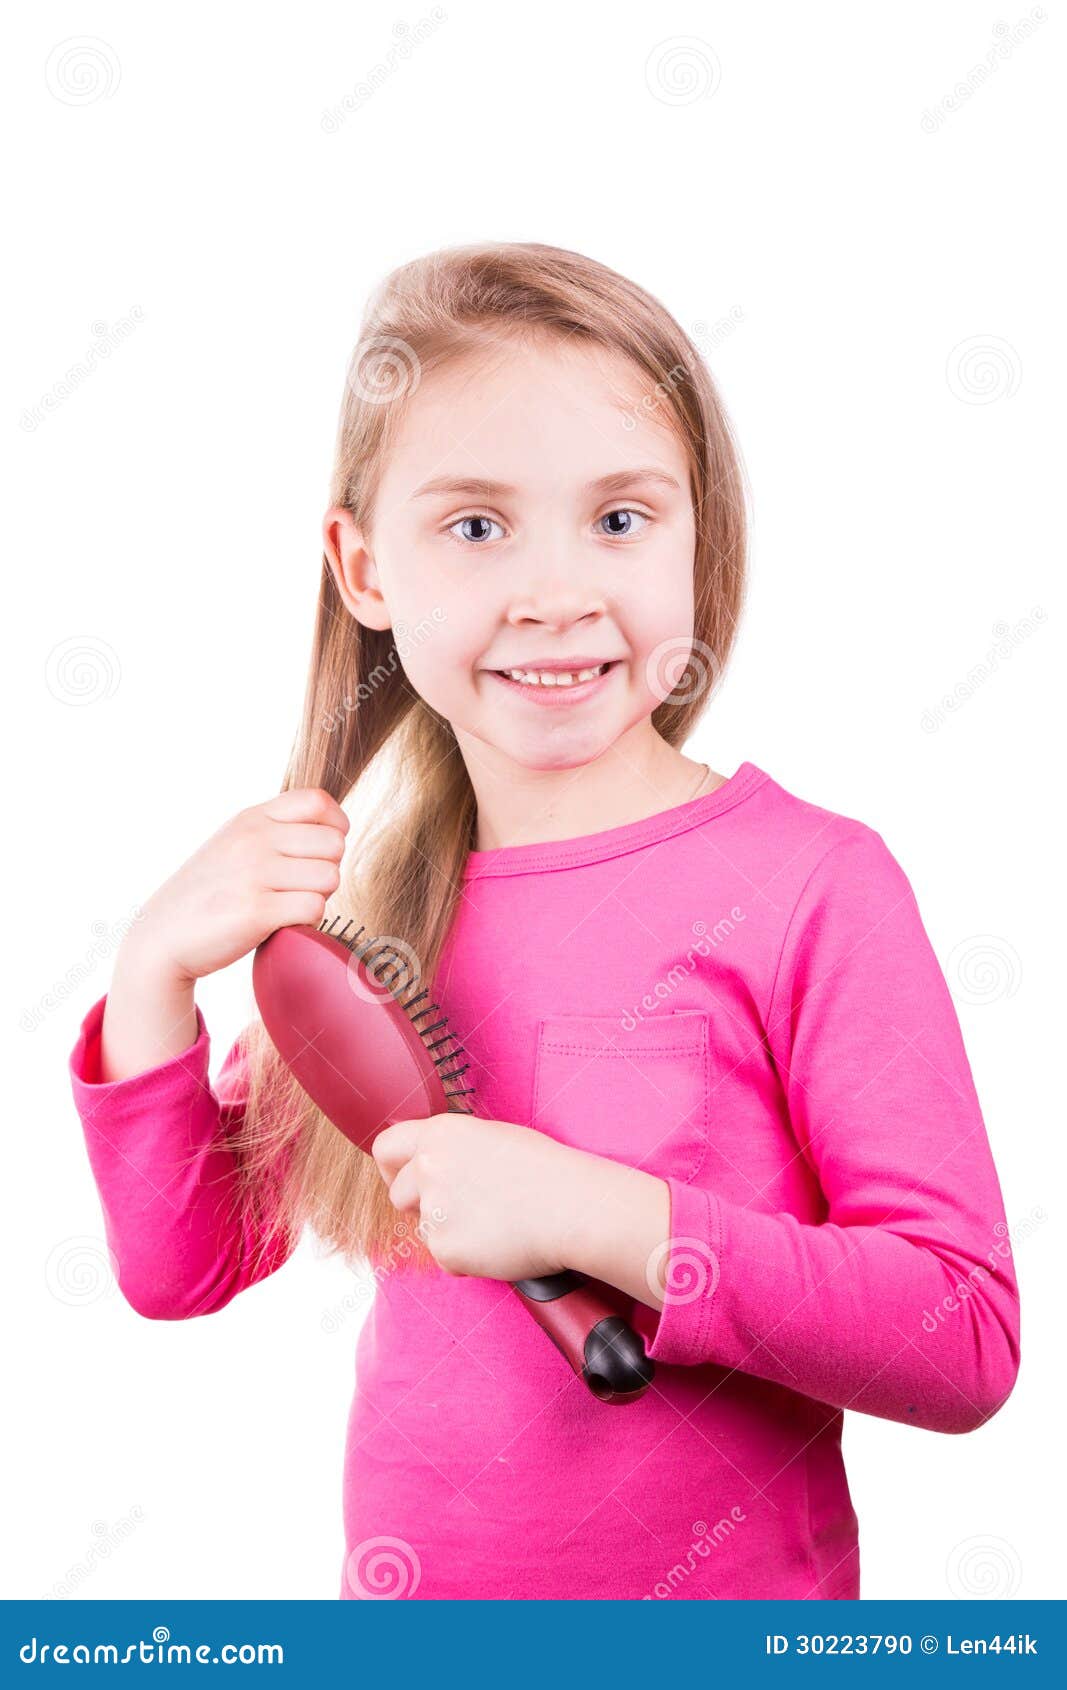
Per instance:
(716,1063)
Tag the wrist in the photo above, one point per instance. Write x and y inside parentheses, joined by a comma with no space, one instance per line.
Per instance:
(141,962)
(142,959)
(611,1222)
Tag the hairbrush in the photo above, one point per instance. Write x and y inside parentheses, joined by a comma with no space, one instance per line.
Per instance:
(347,1016)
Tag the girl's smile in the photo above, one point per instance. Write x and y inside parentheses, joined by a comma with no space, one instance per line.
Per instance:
(555,688)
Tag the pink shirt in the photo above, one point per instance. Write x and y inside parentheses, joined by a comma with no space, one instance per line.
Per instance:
(737,995)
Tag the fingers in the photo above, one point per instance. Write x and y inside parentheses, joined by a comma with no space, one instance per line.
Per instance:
(393,1147)
(307,839)
(306,804)
(301,874)
(404,1192)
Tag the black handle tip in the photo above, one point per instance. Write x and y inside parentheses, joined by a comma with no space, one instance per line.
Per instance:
(616,1366)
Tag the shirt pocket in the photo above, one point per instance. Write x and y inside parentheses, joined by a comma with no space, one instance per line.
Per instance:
(639,1095)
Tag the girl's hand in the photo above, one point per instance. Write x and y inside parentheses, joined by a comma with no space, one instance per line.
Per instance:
(273,865)
(490,1194)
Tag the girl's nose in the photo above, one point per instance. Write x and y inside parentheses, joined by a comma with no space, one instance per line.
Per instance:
(556,605)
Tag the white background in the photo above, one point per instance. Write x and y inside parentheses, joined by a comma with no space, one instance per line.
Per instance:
(880,300)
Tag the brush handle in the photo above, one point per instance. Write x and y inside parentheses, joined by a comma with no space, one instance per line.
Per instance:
(590,1334)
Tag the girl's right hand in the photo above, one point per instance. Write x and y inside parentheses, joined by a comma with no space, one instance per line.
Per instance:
(273,865)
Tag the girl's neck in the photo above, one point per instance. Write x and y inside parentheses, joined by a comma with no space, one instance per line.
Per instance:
(536,806)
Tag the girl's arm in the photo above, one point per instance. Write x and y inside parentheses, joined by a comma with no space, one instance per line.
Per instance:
(903,1301)
(158,1146)
(158,1136)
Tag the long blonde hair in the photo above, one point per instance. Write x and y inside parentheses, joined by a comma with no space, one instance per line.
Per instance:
(402,873)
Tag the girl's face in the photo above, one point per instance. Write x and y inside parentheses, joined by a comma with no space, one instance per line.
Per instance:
(534,510)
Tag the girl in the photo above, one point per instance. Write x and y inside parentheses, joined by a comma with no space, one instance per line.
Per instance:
(717,1066)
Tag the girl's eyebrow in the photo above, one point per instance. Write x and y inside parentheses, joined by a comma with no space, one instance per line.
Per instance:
(617,481)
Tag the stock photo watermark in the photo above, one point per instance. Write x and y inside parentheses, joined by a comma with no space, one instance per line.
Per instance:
(983,369)
(82,70)
(706,940)
(106,339)
(706,1539)
(400,1251)
(1006,38)
(383,1569)
(80,1271)
(706,339)
(1008,637)
(408,37)
(983,968)
(984,1567)
(710,336)
(382,369)
(405,640)
(681,70)
(974,1279)
(105,1541)
(107,937)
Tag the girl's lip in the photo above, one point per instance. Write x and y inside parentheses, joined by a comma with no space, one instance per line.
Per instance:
(554,697)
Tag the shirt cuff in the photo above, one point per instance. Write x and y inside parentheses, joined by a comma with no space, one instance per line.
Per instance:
(685,1332)
(172,1077)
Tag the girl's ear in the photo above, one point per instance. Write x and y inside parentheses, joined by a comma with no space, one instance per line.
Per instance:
(353,568)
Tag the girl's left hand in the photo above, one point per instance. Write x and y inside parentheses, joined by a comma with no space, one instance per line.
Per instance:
(492,1197)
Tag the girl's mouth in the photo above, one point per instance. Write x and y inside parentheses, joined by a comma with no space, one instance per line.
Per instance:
(554,690)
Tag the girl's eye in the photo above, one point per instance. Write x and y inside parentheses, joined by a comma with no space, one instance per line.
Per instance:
(626,514)
(622,521)
(480,522)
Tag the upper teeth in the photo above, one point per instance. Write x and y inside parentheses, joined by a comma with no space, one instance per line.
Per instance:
(552,678)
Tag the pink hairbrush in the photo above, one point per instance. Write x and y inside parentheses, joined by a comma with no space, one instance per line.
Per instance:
(353,1028)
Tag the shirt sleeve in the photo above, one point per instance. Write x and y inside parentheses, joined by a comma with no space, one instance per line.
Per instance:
(903,1301)
(158,1145)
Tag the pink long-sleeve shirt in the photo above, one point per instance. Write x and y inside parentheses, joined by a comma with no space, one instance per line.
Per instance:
(738,996)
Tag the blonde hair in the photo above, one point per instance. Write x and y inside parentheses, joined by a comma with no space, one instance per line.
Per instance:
(402,875)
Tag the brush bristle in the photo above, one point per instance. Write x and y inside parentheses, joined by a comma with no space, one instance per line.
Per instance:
(406,995)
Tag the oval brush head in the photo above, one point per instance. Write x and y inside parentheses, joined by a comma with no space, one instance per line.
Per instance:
(348,1016)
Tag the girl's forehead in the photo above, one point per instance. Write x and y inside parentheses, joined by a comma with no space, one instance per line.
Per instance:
(575,412)
(549,369)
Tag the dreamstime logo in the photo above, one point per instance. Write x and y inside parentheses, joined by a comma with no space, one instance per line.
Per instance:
(82,670)
(80,1271)
(382,369)
(405,640)
(353,1302)
(107,939)
(383,1569)
(400,1251)
(651,401)
(106,1539)
(1007,1237)
(680,972)
(1008,639)
(983,969)
(1008,37)
(407,38)
(390,966)
(682,69)
(106,338)
(987,1567)
(689,1267)
(82,70)
(709,336)
(705,338)
(705,1539)
(982,369)
(681,670)
(143,1652)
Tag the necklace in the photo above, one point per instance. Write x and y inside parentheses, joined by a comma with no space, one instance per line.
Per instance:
(700,783)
